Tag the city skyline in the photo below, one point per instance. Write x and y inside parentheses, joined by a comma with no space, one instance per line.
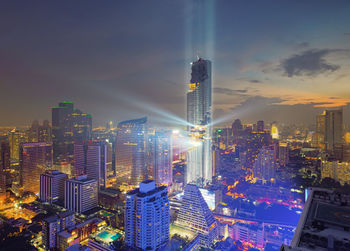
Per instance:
(121,72)
(174,125)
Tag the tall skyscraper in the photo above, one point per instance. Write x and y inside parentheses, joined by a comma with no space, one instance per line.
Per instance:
(52,186)
(36,158)
(14,137)
(334,128)
(87,160)
(147,217)
(265,165)
(330,126)
(80,194)
(69,125)
(237,129)
(131,166)
(195,215)
(4,166)
(107,170)
(199,103)
(93,159)
(162,158)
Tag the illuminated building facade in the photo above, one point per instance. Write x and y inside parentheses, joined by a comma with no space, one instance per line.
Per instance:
(147,217)
(237,129)
(4,166)
(131,166)
(195,215)
(69,125)
(265,165)
(39,133)
(80,194)
(339,171)
(162,158)
(95,160)
(274,131)
(107,175)
(52,186)
(251,233)
(53,225)
(199,103)
(253,142)
(329,128)
(14,138)
(283,153)
(36,158)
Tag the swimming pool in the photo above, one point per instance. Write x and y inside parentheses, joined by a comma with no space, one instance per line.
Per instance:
(108,237)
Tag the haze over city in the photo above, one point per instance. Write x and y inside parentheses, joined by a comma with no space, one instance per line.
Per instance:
(119,60)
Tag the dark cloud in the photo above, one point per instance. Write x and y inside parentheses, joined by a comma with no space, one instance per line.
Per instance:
(255,81)
(257,102)
(309,63)
(228,91)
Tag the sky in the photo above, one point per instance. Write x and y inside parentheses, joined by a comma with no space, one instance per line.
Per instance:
(280,61)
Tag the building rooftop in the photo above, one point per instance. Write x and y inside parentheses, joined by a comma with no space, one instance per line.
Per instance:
(65,234)
(64,214)
(140,193)
(51,219)
(82,179)
(142,120)
(324,223)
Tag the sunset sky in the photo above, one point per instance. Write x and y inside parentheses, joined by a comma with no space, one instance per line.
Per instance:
(279,61)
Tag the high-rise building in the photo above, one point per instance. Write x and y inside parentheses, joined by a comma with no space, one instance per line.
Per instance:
(80,194)
(237,129)
(252,142)
(32,132)
(107,174)
(195,215)
(274,131)
(95,160)
(147,217)
(330,127)
(162,158)
(53,225)
(36,158)
(4,166)
(265,165)
(283,153)
(5,155)
(260,126)
(45,132)
(131,166)
(39,132)
(69,125)
(199,104)
(52,186)
(14,138)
